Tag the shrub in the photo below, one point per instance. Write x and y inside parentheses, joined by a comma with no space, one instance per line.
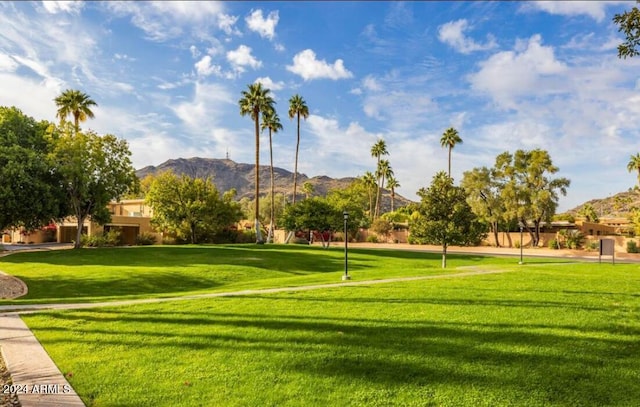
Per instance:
(553,244)
(145,239)
(372,239)
(382,227)
(575,239)
(516,244)
(632,247)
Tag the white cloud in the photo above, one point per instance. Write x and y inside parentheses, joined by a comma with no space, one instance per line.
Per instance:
(7,64)
(308,67)
(55,7)
(227,24)
(593,9)
(529,70)
(241,57)
(452,33)
(204,67)
(370,83)
(206,107)
(265,27)
(195,52)
(268,83)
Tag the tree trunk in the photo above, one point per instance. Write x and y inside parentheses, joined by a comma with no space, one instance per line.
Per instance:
(494,229)
(295,169)
(444,256)
(257,179)
(270,236)
(449,161)
(193,233)
(77,244)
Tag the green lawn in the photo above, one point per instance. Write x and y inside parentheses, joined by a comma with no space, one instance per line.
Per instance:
(90,275)
(542,334)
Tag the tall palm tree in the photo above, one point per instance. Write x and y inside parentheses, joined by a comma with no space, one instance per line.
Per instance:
(371,184)
(378,150)
(254,101)
(384,171)
(271,121)
(297,107)
(449,139)
(75,103)
(634,165)
(392,184)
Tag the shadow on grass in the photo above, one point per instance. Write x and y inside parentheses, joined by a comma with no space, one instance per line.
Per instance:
(512,360)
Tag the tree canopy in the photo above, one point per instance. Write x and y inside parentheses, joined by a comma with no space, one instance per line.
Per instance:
(629,23)
(445,217)
(312,214)
(74,103)
(190,208)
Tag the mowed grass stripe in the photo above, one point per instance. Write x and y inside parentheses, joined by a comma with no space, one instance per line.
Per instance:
(539,336)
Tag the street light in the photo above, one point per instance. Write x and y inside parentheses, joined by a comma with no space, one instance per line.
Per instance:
(346,276)
(521,242)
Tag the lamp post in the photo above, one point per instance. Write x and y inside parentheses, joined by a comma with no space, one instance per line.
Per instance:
(346,276)
(521,242)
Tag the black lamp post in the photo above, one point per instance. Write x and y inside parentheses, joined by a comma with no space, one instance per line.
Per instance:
(521,242)
(346,276)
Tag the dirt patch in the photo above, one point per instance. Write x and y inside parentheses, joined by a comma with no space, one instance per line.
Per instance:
(11,287)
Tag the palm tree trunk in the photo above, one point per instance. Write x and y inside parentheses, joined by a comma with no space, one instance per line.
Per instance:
(295,169)
(393,197)
(270,237)
(449,161)
(257,180)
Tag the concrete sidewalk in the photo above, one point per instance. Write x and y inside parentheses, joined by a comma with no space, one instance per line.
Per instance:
(36,378)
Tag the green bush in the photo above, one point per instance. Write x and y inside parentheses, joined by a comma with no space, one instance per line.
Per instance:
(372,239)
(632,247)
(145,239)
(553,244)
(517,244)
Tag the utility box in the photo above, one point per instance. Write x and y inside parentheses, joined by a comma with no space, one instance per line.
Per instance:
(607,248)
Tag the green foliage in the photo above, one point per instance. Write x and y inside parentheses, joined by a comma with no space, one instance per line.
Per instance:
(94,170)
(27,172)
(589,213)
(190,209)
(372,239)
(629,23)
(553,244)
(632,247)
(382,227)
(566,217)
(445,217)
(109,239)
(145,239)
(312,214)
(634,218)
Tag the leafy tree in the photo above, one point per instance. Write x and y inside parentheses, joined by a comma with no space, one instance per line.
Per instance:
(271,121)
(634,165)
(527,190)
(392,184)
(74,103)
(312,214)
(308,189)
(629,23)
(297,108)
(445,217)
(94,170)
(382,227)
(190,208)
(484,198)
(377,151)
(29,193)
(450,138)
(589,213)
(354,199)
(254,101)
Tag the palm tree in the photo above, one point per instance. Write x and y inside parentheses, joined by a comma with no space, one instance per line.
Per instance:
(370,182)
(384,171)
(634,165)
(378,150)
(392,184)
(271,121)
(254,101)
(297,107)
(75,103)
(449,139)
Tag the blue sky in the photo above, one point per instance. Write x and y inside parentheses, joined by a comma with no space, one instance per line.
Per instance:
(167,77)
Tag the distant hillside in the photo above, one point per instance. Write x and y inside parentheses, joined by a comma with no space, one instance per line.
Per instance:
(615,206)
(228,174)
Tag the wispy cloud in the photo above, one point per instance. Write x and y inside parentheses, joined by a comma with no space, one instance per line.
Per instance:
(453,34)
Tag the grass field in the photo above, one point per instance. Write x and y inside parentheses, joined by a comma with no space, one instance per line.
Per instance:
(160,271)
(541,334)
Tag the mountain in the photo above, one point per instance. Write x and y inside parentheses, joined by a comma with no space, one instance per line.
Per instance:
(619,205)
(227,174)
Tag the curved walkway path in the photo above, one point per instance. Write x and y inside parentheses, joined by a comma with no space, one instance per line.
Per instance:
(40,382)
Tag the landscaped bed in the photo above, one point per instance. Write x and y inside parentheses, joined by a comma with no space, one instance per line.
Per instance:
(538,334)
